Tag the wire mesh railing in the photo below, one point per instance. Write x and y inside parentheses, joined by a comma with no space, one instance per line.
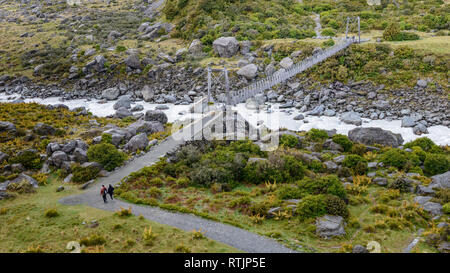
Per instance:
(279,77)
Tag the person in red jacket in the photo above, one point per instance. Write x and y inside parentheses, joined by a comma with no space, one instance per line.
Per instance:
(103,193)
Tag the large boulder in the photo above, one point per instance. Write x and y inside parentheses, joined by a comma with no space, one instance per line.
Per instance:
(330,226)
(351,118)
(123,112)
(156,115)
(286,63)
(123,101)
(196,49)
(24,177)
(111,93)
(9,128)
(148,127)
(147,93)
(226,46)
(44,129)
(249,71)
(375,135)
(3,156)
(133,61)
(433,208)
(408,121)
(80,155)
(441,181)
(58,158)
(138,142)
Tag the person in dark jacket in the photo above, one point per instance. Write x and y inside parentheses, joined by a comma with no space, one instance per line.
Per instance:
(103,193)
(111,191)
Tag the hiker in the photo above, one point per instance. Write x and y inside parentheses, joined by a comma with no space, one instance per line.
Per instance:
(111,191)
(103,192)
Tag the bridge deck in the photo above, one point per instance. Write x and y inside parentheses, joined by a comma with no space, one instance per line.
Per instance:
(264,84)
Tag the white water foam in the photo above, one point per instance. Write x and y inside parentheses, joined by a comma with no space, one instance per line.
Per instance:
(280,118)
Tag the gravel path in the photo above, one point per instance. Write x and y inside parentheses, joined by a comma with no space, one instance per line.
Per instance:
(227,234)
(318,28)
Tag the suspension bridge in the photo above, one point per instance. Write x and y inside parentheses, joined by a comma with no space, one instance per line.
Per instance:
(240,96)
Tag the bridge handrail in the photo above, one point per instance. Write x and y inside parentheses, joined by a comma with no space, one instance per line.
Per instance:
(278,77)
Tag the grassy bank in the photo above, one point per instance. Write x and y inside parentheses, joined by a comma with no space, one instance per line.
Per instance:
(26,228)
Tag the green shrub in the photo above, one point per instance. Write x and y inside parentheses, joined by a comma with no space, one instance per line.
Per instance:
(402,184)
(317,134)
(50,213)
(289,141)
(423,142)
(329,184)
(344,141)
(258,208)
(328,32)
(356,163)
(182,182)
(312,206)
(421,154)
(358,149)
(20,188)
(399,158)
(84,174)
(446,208)
(107,155)
(336,206)
(205,175)
(317,166)
(436,164)
(93,240)
(30,159)
(328,43)
(106,138)
(280,168)
(289,192)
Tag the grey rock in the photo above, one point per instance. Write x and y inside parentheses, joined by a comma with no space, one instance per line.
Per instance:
(441,181)
(423,190)
(111,93)
(147,127)
(147,93)
(249,71)
(3,156)
(196,49)
(58,158)
(408,122)
(87,184)
(422,199)
(44,129)
(226,46)
(68,178)
(351,118)
(422,83)
(123,101)
(359,249)
(330,226)
(138,142)
(133,61)
(156,115)
(375,135)
(339,159)
(299,117)
(331,166)
(433,208)
(123,113)
(286,62)
(80,155)
(380,181)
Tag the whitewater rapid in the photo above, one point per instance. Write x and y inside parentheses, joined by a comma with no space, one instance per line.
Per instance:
(274,119)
